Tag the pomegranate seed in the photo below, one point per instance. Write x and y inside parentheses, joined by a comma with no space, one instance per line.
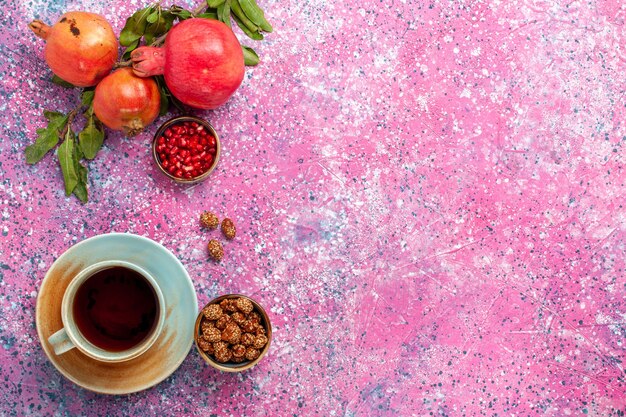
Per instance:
(186,150)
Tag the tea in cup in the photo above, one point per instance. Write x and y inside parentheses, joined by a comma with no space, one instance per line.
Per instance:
(112,311)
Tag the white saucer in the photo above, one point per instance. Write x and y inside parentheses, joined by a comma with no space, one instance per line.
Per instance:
(169,350)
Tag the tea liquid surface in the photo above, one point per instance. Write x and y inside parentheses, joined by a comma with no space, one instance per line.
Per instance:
(115,309)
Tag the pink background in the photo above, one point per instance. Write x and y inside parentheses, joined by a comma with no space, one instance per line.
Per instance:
(429,197)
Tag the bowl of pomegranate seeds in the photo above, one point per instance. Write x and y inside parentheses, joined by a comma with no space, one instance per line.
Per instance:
(233,333)
(186,149)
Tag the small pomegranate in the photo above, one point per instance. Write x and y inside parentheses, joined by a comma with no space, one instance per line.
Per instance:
(81,47)
(202,62)
(123,101)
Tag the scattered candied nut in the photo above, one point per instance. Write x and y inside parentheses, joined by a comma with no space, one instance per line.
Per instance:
(228,305)
(249,326)
(228,228)
(212,335)
(254,316)
(260,330)
(222,354)
(238,317)
(212,312)
(216,251)
(260,341)
(223,321)
(244,305)
(220,346)
(239,351)
(232,333)
(209,220)
(204,344)
(247,339)
(237,359)
(252,353)
(206,324)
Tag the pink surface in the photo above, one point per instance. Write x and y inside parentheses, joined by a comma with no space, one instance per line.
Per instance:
(429,198)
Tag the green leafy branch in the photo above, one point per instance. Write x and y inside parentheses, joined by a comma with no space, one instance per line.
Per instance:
(72,149)
(148,26)
(153,23)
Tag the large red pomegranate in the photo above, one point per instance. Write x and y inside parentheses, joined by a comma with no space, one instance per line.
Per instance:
(81,47)
(201,61)
(123,101)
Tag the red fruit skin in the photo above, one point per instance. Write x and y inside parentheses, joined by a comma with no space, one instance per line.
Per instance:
(81,48)
(123,101)
(202,62)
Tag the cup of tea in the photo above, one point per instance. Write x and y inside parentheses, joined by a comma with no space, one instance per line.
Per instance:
(112,311)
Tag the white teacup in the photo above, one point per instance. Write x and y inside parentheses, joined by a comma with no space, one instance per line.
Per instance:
(108,313)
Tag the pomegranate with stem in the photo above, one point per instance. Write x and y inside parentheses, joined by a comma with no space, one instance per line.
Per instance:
(123,101)
(81,47)
(202,62)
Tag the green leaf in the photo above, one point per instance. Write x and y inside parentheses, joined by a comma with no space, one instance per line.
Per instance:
(250,57)
(80,191)
(256,14)
(257,36)
(214,3)
(153,17)
(208,15)
(223,12)
(184,14)
(47,138)
(167,98)
(181,13)
(159,27)
(135,26)
(165,104)
(90,139)
(242,19)
(59,81)
(86,98)
(66,159)
(130,49)
(162,25)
